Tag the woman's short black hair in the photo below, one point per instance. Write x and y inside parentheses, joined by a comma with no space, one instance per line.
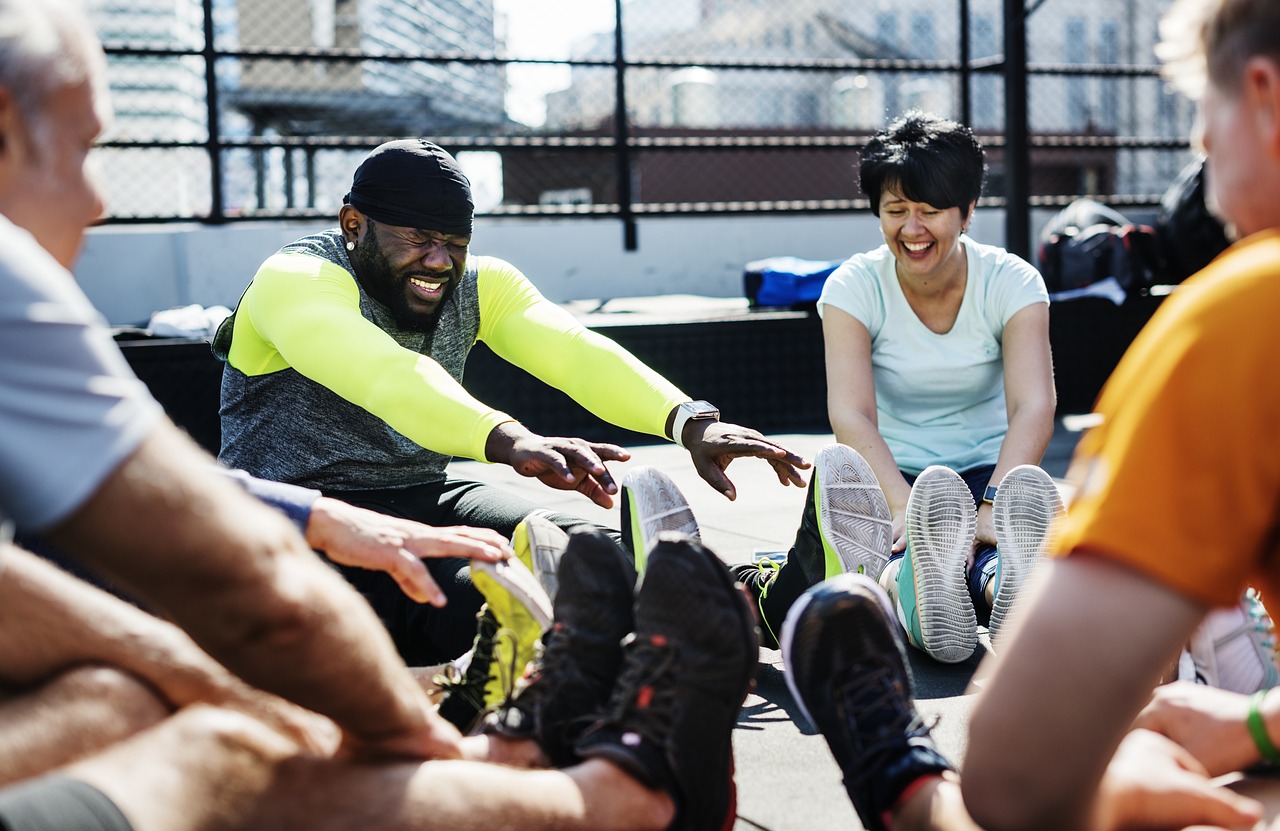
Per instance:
(927,159)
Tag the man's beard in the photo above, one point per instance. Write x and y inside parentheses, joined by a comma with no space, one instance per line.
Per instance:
(378,278)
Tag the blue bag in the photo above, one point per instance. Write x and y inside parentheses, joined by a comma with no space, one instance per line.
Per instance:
(786,281)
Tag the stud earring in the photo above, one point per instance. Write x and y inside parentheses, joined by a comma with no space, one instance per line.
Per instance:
(351,246)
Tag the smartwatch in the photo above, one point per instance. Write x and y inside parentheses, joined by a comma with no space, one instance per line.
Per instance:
(691,411)
(989,495)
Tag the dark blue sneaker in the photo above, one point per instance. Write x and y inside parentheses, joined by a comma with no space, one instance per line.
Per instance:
(686,671)
(847,668)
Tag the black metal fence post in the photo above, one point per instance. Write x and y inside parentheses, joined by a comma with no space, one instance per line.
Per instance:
(966,101)
(217,211)
(621,136)
(1017,153)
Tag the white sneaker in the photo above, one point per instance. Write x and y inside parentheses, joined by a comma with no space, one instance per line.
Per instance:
(1026,510)
(1235,648)
(933,599)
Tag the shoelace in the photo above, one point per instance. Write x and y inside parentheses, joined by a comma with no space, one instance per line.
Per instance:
(767,570)
(639,701)
(469,683)
(555,662)
(883,721)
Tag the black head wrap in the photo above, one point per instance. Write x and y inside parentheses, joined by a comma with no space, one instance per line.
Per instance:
(413,183)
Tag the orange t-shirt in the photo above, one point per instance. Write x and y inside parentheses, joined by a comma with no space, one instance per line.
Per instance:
(1181,480)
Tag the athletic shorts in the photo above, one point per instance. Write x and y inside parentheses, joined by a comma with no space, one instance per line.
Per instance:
(56,803)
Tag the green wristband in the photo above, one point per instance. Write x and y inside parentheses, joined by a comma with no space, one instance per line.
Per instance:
(1259,730)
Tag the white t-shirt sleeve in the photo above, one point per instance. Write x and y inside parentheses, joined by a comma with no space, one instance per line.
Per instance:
(854,287)
(1012,285)
(71,409)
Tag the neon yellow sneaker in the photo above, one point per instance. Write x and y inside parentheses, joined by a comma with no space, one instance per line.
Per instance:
(522,611)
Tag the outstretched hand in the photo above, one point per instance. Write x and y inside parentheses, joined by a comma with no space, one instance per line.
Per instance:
(569,464)
(714,444)
(366,539)
(565,464)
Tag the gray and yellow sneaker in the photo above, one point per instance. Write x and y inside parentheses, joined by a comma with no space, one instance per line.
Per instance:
(522,611)
(853,515)
(933,598)
(569,683)
(651,504)
(539,543)
(463,681)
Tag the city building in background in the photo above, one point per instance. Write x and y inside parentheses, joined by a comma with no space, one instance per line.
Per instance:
(730,106)
(697,101)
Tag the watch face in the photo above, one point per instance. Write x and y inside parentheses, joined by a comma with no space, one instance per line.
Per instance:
(700,409)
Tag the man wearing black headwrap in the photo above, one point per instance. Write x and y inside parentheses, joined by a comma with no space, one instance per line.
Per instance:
(344,369)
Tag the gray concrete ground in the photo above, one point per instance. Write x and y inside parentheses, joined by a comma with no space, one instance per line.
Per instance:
(787,780)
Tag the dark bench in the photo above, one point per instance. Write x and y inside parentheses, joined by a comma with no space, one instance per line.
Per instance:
(763,369)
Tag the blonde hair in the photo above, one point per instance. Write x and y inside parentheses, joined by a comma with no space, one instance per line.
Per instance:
(1211,40)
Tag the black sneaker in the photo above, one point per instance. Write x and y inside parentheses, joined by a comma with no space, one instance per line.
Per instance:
(688,667)
(463,681)
(847,668)
(568,686)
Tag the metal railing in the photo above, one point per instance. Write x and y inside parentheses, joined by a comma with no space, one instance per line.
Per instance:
(614,159)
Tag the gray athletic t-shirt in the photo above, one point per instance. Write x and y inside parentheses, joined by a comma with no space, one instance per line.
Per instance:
(71,409)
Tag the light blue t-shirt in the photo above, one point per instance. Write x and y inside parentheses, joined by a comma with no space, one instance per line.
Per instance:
(939,398)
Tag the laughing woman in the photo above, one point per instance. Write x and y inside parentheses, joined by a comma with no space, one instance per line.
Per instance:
(940,394)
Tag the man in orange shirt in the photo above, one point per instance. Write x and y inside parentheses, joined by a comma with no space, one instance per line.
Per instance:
(1177,508)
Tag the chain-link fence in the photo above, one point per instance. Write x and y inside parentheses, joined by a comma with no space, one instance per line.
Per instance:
(261,109)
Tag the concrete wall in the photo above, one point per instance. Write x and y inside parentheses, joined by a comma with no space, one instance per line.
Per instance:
(131,271)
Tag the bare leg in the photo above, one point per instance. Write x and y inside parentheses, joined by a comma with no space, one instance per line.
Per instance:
(935,805)
(211,769)
(74,714)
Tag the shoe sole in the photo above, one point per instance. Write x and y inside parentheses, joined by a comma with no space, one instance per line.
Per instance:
(514,578)
(1026,506)
(539,543)
(853,516)
(941,522)
(797,612)
(511,591)
(654,505)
